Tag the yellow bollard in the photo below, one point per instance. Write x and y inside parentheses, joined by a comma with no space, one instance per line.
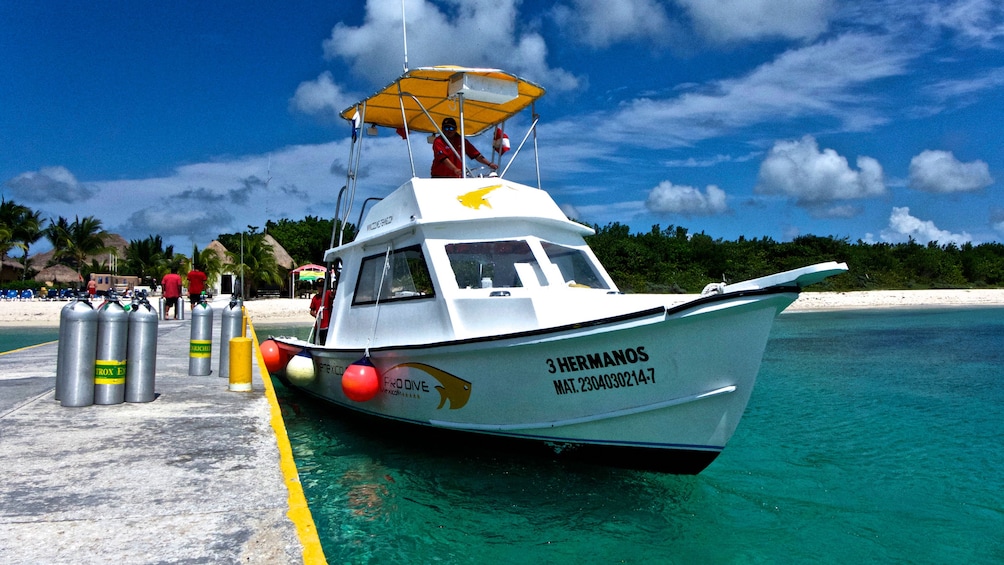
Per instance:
(240,364)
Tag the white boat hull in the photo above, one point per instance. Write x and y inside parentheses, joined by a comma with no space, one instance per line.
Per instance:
(662,389)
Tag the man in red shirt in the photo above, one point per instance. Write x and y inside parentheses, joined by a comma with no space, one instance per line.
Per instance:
(446,162)
(196,284)
(315,305)
(171,284)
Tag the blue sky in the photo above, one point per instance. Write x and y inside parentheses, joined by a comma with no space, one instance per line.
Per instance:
(876,120)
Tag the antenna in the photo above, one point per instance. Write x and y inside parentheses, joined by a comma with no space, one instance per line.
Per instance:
(404,29)
(268,179)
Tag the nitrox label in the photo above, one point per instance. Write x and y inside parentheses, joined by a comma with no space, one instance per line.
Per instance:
(198,348)
(109,372)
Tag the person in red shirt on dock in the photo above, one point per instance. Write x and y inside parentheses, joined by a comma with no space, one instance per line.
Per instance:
(315,306)
(196,284)
(171,284)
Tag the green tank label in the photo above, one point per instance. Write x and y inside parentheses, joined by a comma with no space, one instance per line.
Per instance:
(200,348)
(109,372)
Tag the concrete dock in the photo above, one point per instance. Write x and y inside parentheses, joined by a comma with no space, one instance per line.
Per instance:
(199,475)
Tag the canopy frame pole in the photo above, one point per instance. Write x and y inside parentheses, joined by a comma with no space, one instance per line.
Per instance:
(536,155)
(463,139)
(355,154)
(404,116)
(439,131)
(533,128)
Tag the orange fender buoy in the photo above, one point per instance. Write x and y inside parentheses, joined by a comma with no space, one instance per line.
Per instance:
(272,355)
(360,381)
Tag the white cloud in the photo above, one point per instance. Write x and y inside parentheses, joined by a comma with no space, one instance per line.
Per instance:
(321,97)
(686,200)
(823,79)
(941,172)
(743,20)
(967,89)
(49,184)
(817,179)
(198,223)
(197,202)
(903,226)
(601,23)
(979,22)
(482,33)
(691,162)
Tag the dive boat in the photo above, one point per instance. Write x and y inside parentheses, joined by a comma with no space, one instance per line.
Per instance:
(474,306)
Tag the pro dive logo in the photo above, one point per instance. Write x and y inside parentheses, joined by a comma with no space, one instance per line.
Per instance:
(450,387)
(477,198)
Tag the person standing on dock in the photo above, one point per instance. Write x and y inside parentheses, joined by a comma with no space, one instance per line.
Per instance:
(196,284)
(171,284)
(316,305)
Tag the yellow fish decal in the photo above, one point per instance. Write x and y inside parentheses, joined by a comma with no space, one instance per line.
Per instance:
(476,198)
(452,388)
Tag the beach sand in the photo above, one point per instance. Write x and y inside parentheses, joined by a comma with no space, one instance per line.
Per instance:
(39,313)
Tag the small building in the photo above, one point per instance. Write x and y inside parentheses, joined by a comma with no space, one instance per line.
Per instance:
(121,283)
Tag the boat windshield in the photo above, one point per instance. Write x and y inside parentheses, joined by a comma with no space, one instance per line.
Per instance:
(494,264)
(407,277)
(576,268)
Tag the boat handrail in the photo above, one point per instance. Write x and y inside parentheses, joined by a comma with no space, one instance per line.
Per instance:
(531,129)
(362,210)
(334,226)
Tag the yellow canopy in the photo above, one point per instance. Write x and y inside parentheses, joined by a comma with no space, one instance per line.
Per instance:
(490,97)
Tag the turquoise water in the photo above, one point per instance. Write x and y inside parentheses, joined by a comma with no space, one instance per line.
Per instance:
(16,338)
(871,437)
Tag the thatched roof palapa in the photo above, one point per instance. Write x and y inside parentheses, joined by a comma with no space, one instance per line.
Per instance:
(282,258)
(58,274)
(219,249)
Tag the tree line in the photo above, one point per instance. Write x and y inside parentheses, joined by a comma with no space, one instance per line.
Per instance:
(661,260)
(672,259)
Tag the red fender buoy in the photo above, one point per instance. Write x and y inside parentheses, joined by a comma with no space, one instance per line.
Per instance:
(360,381)
(272,356)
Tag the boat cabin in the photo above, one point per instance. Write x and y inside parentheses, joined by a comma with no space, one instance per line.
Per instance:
(457,258)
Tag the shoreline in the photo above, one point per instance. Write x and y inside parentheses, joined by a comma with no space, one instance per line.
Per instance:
(40,314)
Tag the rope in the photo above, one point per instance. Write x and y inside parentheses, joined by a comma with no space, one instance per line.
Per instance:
(376,318)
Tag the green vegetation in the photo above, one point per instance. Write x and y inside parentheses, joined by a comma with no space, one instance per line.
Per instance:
(660,260)
(305,240)
(253,261)
(672,260)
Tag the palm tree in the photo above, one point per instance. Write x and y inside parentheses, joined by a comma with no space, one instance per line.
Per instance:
(258,266)
(58,234)
(6,241)
(11,214)
(147,259)
(208,262)
(84,238)
(28,232)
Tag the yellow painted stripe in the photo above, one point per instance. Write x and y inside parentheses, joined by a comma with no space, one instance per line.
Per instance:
(299,512)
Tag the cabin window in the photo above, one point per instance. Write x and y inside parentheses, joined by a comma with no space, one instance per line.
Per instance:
(494,264)
(407,277)
(575,265)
